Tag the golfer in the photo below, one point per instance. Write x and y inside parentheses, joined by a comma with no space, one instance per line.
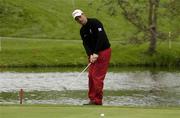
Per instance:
(98,49)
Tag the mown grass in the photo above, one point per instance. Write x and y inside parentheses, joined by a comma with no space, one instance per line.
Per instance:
(51,111)
(54,53)
(41,53)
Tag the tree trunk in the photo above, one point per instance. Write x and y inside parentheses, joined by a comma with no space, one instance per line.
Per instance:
(153,5)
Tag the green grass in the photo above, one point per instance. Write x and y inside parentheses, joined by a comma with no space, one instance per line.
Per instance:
(52,19)
(53,53)
(50,111)
(41,53)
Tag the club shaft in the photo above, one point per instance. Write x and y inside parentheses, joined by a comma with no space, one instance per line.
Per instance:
(84,70)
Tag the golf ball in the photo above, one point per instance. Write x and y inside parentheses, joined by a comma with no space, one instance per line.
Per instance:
(102,114)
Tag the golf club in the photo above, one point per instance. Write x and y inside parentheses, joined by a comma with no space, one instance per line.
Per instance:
(83,70)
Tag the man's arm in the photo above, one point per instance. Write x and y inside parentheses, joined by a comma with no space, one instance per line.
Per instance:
(101,36)
(88,51)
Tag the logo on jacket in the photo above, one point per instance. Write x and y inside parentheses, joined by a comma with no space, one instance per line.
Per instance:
(99,29)
(90,31)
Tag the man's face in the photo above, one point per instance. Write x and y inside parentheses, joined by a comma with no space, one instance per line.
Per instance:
(81,19)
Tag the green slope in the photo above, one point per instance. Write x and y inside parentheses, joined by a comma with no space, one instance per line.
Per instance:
(52,19)
(41,19)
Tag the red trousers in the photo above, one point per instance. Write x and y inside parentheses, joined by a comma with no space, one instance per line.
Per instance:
(97,73)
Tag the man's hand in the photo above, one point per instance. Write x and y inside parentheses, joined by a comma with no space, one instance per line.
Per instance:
(93,58)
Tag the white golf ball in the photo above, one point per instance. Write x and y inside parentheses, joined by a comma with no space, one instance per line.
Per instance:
(102,114)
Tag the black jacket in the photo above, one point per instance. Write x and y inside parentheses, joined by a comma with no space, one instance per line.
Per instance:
(94,37)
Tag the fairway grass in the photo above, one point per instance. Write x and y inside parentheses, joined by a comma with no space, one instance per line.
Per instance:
(24,52)
(53,111)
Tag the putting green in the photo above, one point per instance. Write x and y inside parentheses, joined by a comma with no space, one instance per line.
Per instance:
(52,111)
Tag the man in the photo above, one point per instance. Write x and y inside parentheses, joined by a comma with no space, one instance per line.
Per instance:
(98,49)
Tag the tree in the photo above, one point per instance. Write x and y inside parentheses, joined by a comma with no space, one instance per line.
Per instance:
(153,6)
(142,17)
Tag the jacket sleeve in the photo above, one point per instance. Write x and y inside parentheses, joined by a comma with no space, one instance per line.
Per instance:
(88,51)
(101,35)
